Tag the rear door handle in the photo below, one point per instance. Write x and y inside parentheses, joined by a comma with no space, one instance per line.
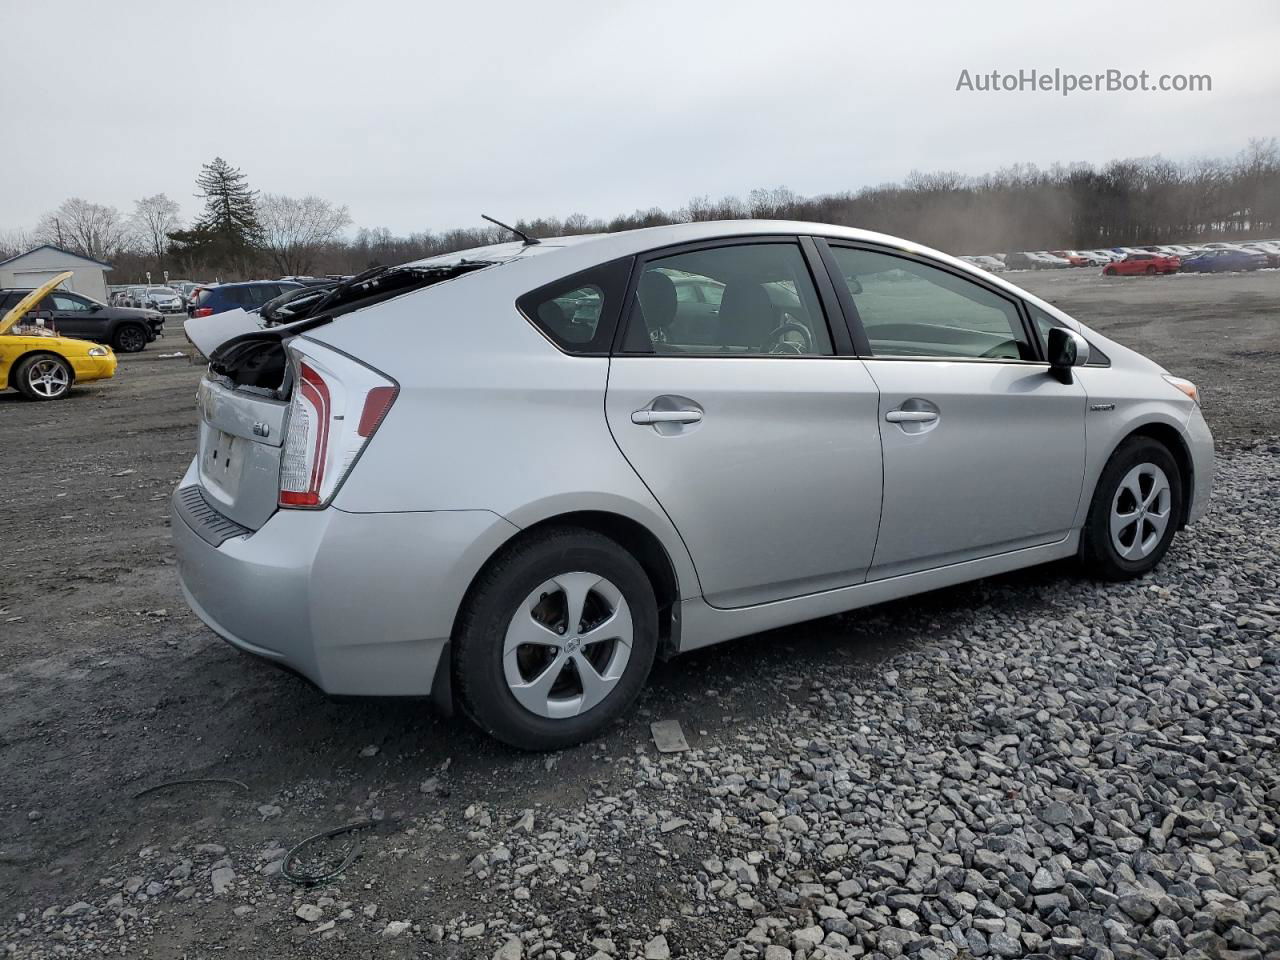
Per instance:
(911,416)
(666,416)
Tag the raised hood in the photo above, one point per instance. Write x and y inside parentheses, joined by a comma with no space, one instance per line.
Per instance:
(23,306)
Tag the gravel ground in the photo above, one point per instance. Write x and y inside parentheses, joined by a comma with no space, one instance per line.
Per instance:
(1032,765)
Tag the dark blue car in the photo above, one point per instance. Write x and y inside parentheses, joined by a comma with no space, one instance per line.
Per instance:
(249,296)
(1219,261)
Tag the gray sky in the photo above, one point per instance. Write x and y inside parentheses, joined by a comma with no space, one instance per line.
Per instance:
(420,115)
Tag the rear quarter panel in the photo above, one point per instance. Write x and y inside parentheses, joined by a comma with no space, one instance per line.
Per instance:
(490,415)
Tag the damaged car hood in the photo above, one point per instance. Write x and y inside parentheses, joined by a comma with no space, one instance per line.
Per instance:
(24,306)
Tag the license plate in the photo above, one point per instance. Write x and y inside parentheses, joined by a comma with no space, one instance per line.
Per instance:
(223,461)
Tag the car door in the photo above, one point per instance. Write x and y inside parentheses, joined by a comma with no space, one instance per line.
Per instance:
(75,317)
(983,450)
(761,445)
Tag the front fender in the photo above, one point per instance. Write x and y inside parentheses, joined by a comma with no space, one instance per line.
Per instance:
(1106,430)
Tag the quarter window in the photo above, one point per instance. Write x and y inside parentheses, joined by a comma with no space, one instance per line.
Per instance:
(579,313)
(910,309)
(740,300)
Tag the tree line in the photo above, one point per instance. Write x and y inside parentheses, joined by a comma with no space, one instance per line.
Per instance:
(242,233)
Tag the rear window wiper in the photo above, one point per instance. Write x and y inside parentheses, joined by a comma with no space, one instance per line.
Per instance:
(364,289)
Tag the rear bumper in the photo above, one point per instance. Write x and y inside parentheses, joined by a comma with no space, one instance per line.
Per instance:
(360,604)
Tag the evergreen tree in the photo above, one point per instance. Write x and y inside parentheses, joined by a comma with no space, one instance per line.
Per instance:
(228,234)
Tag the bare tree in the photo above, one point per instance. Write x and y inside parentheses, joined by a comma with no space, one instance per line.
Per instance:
(153,219)
(294,230)
(15,241)
(89,229)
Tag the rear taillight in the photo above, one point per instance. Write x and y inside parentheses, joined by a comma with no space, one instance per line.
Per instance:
(337,405)
(203,312)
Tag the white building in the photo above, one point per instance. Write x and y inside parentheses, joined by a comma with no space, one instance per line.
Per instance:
(45,262)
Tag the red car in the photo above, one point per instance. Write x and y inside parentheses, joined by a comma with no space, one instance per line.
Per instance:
(1145,263)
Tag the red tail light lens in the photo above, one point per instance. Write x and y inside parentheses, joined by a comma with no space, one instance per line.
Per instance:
(376,404)
(306,446)
(337,405)
(203,312)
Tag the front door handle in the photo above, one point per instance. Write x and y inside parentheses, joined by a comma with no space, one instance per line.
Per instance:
(666,416)
(911,416)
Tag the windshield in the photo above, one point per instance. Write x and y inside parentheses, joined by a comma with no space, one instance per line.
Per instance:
(162,292)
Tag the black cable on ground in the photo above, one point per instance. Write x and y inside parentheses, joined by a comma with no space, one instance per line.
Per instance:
(176,783)
(352,853)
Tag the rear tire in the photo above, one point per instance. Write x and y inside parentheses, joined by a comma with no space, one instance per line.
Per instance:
(1134,513)
(43,377)
(1109,271)
(129,338)
(525,666)
(1151,271)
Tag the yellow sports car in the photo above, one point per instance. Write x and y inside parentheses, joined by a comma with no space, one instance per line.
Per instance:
(42,367)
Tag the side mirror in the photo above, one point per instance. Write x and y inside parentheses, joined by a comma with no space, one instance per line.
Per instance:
(854,285)
(1067,349)
(94,308)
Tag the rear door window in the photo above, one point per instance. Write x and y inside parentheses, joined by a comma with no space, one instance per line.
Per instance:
(752,299)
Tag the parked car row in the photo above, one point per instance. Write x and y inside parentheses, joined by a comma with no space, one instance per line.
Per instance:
(166,299)
(1154,259)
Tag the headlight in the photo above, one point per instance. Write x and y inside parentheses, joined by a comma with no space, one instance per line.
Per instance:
(1186,386)
(97,351)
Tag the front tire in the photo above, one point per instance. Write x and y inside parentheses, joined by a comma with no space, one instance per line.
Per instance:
(1134,513)
(130,338)
(43,377)
(555,640)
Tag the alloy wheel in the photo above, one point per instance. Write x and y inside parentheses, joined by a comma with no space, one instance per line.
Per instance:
(48,378)
(1140,511)
(567,645)
(131,340)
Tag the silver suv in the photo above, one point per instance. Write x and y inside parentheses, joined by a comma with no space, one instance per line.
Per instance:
(509,478)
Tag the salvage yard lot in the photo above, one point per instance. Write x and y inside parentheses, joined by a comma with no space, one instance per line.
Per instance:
(977,771)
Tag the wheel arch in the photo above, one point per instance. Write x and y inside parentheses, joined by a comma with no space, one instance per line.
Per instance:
(629,533)
(1171,438)
(36,352)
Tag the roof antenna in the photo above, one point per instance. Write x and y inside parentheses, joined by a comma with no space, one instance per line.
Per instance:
(528,240)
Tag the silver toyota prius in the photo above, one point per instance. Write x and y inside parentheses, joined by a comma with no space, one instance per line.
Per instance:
(508,478)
